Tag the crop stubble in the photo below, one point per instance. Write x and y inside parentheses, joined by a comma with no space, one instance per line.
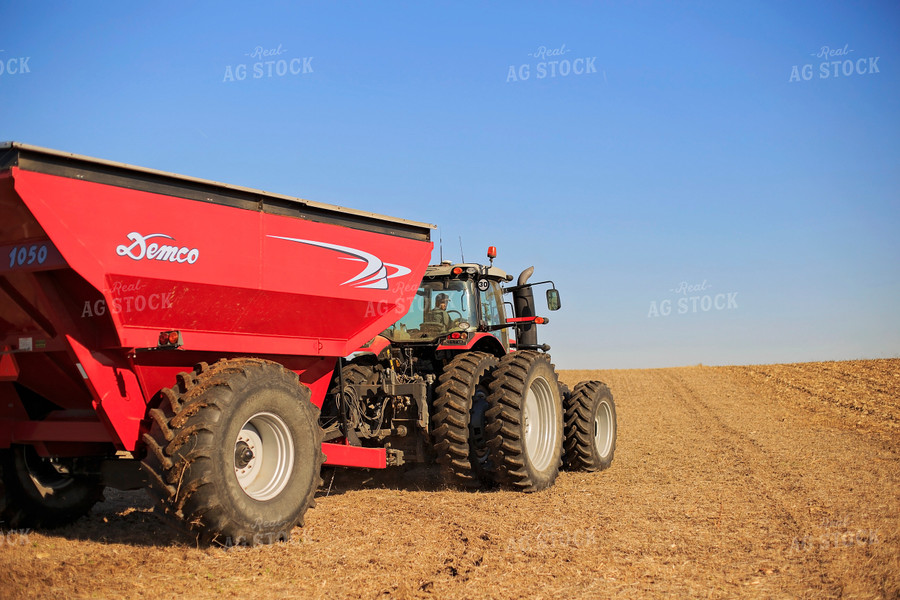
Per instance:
(752,481)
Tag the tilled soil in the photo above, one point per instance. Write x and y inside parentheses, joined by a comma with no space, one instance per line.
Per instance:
(759,481)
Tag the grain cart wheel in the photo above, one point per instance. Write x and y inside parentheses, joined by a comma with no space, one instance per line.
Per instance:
(41,493)
(525,427)
(234,452)
(590,427)
(459,408)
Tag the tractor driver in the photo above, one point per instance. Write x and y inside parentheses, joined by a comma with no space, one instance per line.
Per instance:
(439,313)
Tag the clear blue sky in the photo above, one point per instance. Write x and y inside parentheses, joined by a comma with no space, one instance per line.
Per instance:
(681,150)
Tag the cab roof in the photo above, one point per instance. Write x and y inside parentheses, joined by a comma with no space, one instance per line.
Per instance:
(446,268)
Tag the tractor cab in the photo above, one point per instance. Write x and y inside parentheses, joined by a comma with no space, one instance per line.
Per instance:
(461,307)
(453,305)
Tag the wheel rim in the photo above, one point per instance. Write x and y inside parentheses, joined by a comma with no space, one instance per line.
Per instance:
(540,424)
(46,476)
(603,436)
(263,456)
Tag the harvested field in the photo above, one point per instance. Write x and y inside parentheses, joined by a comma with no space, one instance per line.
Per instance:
(755,481)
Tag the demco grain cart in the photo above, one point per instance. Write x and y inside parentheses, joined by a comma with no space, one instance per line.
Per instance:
(186,326)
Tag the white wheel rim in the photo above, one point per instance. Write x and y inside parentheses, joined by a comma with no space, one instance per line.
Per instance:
(540,424)
(603,435)
(263,456)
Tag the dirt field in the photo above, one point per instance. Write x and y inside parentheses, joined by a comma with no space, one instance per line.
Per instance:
(763,481)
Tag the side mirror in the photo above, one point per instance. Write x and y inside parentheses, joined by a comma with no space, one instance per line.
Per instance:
(553,302)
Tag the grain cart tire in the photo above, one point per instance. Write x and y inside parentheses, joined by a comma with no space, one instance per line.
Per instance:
(590,427)
(459,418)
(525,422)
(39,493)
(234,452)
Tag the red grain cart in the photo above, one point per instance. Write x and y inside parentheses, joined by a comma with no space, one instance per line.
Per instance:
(184,325)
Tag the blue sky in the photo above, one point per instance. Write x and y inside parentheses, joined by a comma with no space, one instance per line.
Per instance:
(686,154)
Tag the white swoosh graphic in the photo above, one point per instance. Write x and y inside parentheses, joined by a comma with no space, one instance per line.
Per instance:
(375,274)
(382,273)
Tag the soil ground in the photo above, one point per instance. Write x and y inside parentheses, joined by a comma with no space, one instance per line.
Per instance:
(773,481)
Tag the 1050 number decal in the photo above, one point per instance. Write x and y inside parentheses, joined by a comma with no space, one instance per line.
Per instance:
(21,256)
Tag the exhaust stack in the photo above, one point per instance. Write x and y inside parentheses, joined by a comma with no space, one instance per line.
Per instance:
(523,304)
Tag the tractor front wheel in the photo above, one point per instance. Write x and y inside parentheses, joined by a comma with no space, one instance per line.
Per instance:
(459,419)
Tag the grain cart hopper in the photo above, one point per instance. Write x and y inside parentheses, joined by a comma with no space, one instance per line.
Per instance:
(185,326)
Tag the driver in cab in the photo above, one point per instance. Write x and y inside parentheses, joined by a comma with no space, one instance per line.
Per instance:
(439,314)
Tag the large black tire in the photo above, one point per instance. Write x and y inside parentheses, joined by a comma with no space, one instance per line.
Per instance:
(590,427)
(38,494)
(234,452)
(353,373)
(458,418)
(525,422)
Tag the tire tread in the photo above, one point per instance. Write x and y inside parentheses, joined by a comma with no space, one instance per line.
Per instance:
(179,458)
(579,451)
(451,418)
(504,418)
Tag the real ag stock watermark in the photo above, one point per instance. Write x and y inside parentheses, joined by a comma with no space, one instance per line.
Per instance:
(400,308)
(553,62)
(267,63)
(548,537)
(268,532)
(127,298)
(835,533)
(835,62)
(693,298)
(260,532)
(14,537)
(15,65)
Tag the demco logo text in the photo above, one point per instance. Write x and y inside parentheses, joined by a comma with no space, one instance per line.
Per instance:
(140,249)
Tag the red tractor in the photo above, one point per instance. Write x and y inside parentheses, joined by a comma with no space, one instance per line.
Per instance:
(449,381)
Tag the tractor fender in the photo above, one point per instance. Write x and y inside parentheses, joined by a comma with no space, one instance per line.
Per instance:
(481,341)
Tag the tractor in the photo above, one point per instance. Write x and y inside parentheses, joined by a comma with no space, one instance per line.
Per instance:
(459,381)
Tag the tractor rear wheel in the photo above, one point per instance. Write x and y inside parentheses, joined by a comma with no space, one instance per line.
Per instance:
(459,419)
(525,425)
(38,492)
(234,452)
(590,427)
